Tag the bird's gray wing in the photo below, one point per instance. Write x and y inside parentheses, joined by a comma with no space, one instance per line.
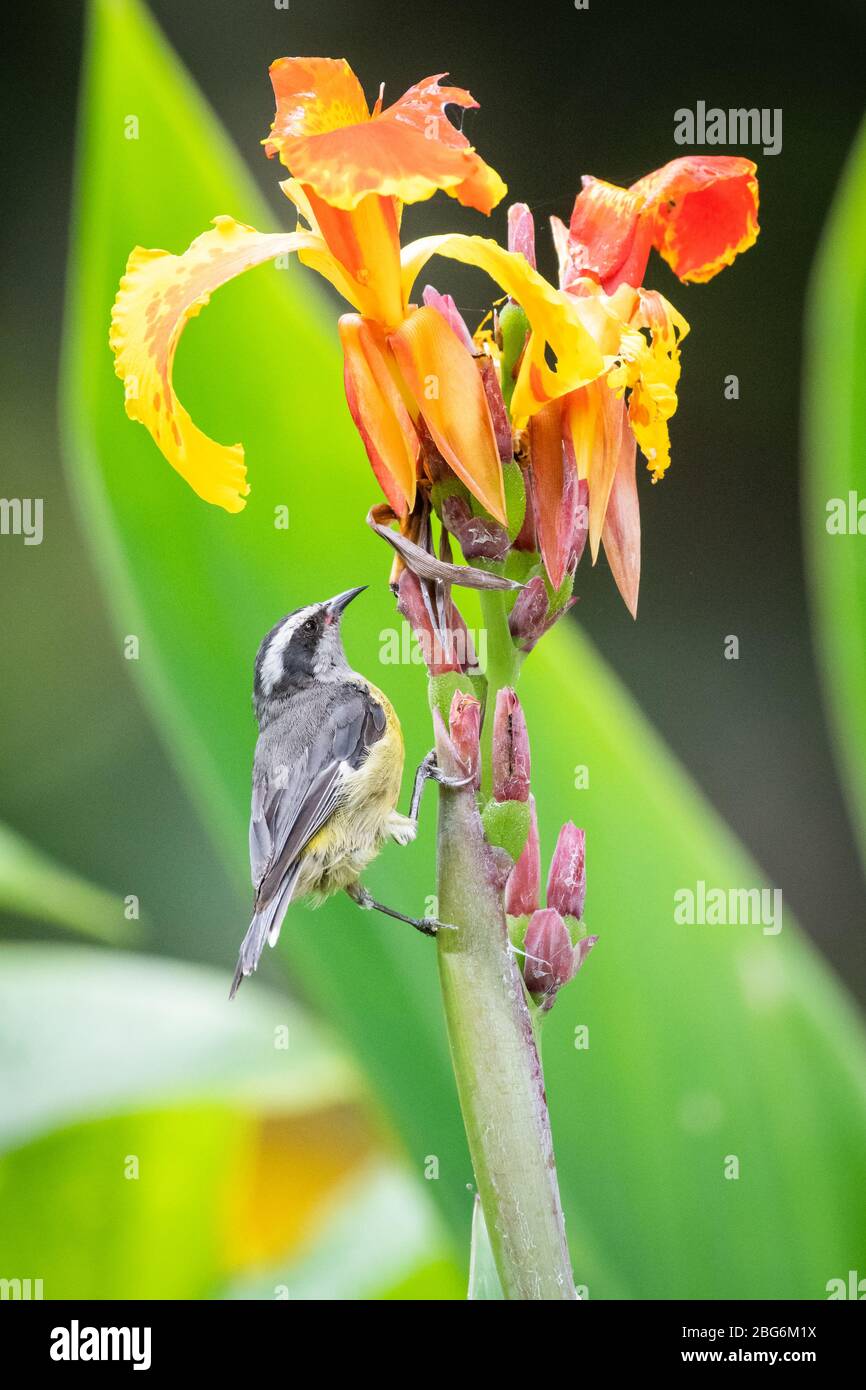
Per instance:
(289,810)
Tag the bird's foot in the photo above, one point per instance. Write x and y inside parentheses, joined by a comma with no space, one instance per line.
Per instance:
(428,926)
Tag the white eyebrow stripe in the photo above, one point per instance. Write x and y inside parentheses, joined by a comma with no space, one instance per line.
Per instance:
(272,663)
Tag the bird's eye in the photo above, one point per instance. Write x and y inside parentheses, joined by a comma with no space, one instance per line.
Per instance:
(310,625)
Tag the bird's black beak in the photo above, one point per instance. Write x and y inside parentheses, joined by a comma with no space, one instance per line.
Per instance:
(335,606)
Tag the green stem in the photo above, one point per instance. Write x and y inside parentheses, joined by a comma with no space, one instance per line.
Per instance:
(493,1048)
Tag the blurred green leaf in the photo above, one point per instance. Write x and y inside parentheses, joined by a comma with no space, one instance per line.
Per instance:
(689,1028)
(77,1217)
(835,423)
(141,1118)
(32,885)
(86,1033)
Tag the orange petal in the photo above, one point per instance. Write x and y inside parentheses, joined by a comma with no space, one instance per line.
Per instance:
(314,96)
(323,133)
(621,535)
(596,420)
(446,384)
(158,296)
(554,490)
(366,242)
(703,211)
(378,410)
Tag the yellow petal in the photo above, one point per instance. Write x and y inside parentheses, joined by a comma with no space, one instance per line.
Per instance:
(158,296)
(651,369)
(556,319)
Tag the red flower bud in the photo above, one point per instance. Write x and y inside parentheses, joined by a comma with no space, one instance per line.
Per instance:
(581,523)
(464,722)
(444,305)
(527,618)
(479,538)
(566,882)
(524,882)
(521,231)
(449,648)
(511,761)
(551,960)
(526,538)
(496,402)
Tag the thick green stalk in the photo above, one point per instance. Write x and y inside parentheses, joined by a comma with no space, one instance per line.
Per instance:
(493,1049)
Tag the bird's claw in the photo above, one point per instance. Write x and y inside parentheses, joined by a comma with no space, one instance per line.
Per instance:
(435,773)
(431,926)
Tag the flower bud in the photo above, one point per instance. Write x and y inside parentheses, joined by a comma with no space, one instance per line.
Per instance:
(521,231)
(464,723)
(524,882)
(440,649)
(499,416)
(478,537)
(526,621)
(551,960)
(526,538)
(444,305)
(581,523)
(566,882)
(511,761)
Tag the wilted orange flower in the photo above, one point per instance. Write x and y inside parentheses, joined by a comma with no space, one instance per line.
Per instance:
(352,171)
(699,212)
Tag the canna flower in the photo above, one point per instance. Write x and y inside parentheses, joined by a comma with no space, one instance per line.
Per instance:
(407,373)
(699,213)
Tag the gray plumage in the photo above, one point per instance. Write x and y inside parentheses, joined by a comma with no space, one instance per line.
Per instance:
(317,723)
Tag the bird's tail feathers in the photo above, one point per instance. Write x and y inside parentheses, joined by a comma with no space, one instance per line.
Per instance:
(265,927)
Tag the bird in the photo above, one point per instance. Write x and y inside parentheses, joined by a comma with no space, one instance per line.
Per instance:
(327,773)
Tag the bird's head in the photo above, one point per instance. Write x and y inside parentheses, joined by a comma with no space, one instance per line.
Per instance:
(303,649)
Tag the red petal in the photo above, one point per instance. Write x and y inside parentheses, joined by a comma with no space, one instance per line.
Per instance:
(607,238)
(699,212)
(703,210)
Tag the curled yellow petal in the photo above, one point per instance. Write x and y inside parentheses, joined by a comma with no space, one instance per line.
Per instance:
(158,296)
(556,319)
(650,369)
